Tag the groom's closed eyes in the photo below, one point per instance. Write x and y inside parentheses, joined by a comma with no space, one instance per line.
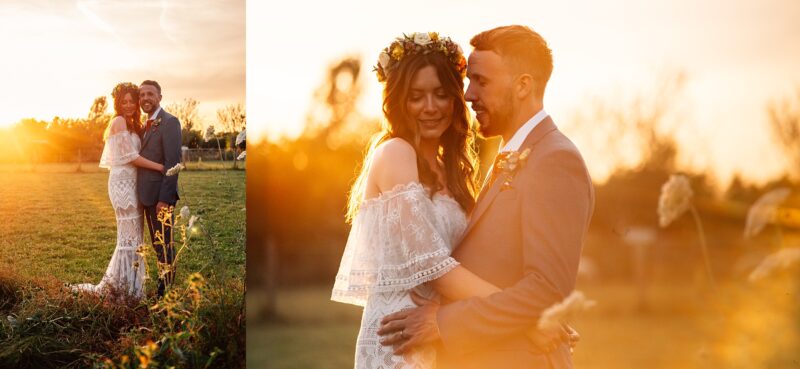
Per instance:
(477,78)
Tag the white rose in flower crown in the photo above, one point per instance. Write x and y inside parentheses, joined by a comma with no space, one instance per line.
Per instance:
(422,38)
(384,60)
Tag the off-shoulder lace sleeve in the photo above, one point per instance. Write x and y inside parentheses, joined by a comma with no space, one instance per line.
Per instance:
(393,245)
(118,150)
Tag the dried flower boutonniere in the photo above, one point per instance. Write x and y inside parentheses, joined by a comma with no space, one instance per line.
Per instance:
(509,162)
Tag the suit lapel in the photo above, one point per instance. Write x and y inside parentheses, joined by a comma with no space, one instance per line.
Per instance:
(147,135)
(487,196)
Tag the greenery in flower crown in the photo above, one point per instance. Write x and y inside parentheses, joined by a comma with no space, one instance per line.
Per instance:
(419,43)
(124,87)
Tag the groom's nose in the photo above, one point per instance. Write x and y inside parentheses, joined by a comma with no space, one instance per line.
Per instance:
(470,94)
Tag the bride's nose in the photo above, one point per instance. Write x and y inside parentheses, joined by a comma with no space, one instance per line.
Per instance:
(430,105)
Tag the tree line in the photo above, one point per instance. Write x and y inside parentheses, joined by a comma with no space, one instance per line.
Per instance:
(81,139)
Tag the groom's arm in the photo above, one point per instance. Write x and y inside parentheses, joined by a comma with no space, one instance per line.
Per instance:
(557,203)
(171,142)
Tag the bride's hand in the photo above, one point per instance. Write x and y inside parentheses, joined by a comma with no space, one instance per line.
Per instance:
(548,340)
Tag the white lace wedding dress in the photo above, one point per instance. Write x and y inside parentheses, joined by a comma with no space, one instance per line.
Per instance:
(397,242)
(126,270)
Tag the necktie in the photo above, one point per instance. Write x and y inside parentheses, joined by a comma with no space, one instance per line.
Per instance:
(147,126)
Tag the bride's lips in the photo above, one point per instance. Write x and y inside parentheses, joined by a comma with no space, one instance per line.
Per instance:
(429,123)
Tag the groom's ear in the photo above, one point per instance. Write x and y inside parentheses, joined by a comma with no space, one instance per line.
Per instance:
(524,86)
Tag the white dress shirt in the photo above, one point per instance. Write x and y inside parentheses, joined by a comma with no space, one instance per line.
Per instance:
(518,138)
(522,133)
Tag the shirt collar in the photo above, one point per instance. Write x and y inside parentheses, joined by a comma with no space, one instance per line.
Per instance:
(519,137)
(155,113)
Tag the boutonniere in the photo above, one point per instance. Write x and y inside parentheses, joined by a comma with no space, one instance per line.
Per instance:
(156,122)
(509,163)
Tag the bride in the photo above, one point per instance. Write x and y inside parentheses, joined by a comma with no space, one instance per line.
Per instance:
(126,270)
(408,208)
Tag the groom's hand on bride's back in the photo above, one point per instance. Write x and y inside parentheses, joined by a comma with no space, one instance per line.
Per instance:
(410,328)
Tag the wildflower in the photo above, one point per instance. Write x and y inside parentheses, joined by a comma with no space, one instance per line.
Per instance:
(241,137)
(185,212)
(145,354)
(384,60)
(764,211)
(397,51)
(780,260)
(564,311)
(164,215)
(422,38)
(192,220)
(675,199)
(242,155)
(175,170)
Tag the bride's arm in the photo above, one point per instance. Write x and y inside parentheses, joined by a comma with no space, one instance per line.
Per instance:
(116,126)
(141,162)
(461,284)
(395,163)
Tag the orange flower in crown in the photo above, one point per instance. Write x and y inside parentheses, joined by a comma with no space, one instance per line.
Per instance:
(419,43)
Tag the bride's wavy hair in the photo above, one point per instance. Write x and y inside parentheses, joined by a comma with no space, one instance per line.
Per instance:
(456,145)
(119,92)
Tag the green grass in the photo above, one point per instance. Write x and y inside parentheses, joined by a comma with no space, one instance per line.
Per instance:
(58,222)
(58,227)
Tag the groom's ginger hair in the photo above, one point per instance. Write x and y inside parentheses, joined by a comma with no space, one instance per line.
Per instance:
(522,49)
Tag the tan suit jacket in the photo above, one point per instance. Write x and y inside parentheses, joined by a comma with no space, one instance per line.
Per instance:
(527,240)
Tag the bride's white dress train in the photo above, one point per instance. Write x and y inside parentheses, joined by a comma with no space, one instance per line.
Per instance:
(397,242)
(126,270)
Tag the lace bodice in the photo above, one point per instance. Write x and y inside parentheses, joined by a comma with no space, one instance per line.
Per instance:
(120,149)
(398,241)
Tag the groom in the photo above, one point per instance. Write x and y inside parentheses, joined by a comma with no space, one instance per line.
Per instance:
(527,229)
(161,143)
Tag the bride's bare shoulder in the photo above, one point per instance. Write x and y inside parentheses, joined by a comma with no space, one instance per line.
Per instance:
(394,150)
(394,162)
(116,125)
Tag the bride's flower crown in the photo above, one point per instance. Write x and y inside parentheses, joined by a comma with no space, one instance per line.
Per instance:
(419,43)
(123,87)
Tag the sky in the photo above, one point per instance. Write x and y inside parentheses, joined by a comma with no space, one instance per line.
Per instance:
(58,56)
(737,56)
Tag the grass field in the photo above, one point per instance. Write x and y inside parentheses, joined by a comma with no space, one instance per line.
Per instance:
(59,222)
(58,227)
(684,326)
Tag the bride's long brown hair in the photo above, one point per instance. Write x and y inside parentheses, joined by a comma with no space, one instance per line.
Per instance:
(456,145)
(119,92)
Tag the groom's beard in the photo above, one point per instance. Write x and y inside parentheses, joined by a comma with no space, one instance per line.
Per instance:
(499,118)
(153,106)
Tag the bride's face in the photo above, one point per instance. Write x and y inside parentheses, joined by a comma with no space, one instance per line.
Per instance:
(128,106)
(428,103)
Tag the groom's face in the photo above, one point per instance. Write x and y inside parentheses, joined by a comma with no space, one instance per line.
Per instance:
(149,98)
(490,92)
